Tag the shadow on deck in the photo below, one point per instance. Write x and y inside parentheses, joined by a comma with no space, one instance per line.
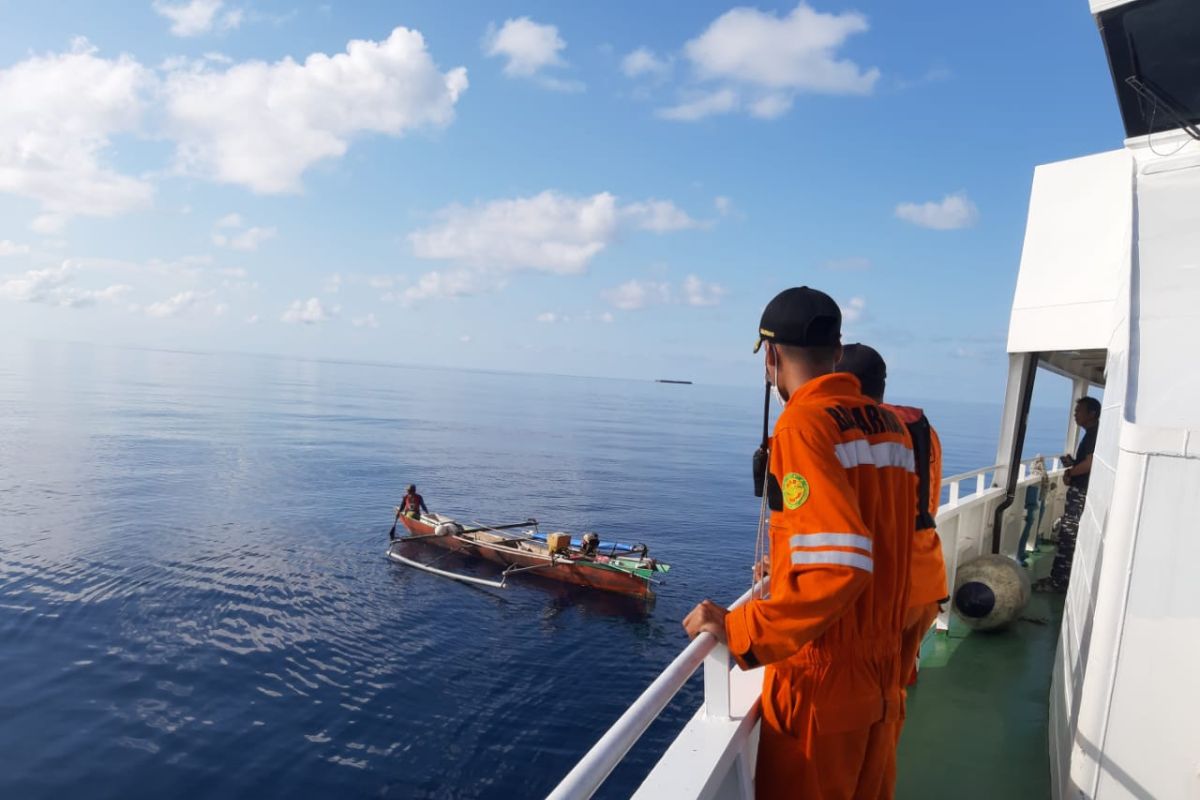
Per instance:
(978,716)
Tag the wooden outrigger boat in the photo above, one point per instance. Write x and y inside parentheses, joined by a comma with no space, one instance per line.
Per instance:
(522,549)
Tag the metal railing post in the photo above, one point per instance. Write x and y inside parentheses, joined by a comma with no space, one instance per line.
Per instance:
(716,683)
(953,501)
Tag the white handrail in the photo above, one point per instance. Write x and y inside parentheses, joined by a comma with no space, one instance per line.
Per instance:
(587,775)
(954,482)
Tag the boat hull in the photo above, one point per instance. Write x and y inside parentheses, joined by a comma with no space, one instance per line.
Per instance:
(522,558)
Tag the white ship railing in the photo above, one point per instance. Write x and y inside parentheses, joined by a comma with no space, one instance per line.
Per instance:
(595,766)
(713,757)
(954,483)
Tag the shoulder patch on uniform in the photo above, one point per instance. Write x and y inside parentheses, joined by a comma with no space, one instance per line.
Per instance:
(774,493)
(795,490)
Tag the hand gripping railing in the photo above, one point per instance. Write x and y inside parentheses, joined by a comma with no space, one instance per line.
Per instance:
(591,771)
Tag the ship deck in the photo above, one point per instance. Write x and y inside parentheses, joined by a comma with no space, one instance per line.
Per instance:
(978,717)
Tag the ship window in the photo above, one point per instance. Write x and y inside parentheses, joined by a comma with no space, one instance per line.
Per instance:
(1154,51)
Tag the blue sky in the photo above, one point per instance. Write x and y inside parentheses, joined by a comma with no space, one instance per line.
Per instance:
(601,189)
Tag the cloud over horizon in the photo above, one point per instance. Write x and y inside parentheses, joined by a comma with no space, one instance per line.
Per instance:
(262,125)
(550,232)
(954,211)
(61,114)
(529,49)
(758,62)
(195,17)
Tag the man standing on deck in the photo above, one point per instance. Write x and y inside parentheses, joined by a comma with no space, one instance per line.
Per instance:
(842,491)
(1079,469)
(413,504)
(928,568)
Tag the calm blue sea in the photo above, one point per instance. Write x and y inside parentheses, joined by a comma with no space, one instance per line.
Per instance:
(195,602)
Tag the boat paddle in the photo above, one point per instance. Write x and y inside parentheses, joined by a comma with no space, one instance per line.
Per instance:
(392,532)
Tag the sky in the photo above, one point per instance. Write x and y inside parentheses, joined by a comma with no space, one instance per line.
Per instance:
(609,189)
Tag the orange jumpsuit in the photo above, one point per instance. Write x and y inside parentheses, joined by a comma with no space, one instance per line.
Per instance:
(928,565)
(843,494)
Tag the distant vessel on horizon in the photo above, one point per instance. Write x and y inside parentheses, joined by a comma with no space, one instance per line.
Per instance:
(668,380)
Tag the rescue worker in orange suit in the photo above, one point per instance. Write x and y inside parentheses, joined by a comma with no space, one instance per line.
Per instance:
(928,569)
(842,492)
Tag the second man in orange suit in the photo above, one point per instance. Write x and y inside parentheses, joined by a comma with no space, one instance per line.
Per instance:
(841,486)
(928,569)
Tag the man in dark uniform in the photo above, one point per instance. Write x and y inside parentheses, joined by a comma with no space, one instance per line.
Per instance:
(1079,469)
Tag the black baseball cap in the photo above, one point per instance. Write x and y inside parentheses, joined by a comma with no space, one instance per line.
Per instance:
(800,316)
(864,363)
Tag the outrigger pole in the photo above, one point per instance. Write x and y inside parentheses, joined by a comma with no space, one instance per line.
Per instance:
(392,554)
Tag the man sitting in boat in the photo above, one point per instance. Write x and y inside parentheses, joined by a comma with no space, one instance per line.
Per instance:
(413,504)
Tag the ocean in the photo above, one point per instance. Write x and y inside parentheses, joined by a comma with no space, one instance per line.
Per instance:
(195,601)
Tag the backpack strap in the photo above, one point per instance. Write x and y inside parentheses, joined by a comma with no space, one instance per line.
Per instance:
(922,445)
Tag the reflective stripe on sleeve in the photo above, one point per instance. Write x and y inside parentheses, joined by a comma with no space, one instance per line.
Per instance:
(831,540)
(833,557)
(860,452)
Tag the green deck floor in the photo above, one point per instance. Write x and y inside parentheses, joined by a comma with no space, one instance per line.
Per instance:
(977,718)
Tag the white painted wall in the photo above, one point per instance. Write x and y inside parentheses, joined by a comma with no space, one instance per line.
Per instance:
(1125,700)
(1075,255)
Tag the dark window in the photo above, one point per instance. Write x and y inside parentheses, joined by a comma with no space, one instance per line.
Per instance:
(1154,51)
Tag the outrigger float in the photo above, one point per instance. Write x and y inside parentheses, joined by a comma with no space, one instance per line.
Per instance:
(522,549)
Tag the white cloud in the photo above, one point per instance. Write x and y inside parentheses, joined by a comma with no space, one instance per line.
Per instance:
(220,309)
(528,46)
(720,101)
(232,272)
(954,211)
(659,216)
(549,232)
(50,286)
(310,312)
(252,319)
(643,62)
(197,16)
(176,304)
(551,317)
(761,61)
(187,267)
(368,321)
(452,283)
(333,283)
(634,294)
(465,339)
(853,309)
(60,113)
(723,205)
(247,240)
(605,316)
(263,125)
(697,292)
(11,248)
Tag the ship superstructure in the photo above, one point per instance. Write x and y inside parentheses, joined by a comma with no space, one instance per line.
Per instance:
(1107,295)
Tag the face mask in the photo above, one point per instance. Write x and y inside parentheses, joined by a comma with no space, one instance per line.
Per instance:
(775,385)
